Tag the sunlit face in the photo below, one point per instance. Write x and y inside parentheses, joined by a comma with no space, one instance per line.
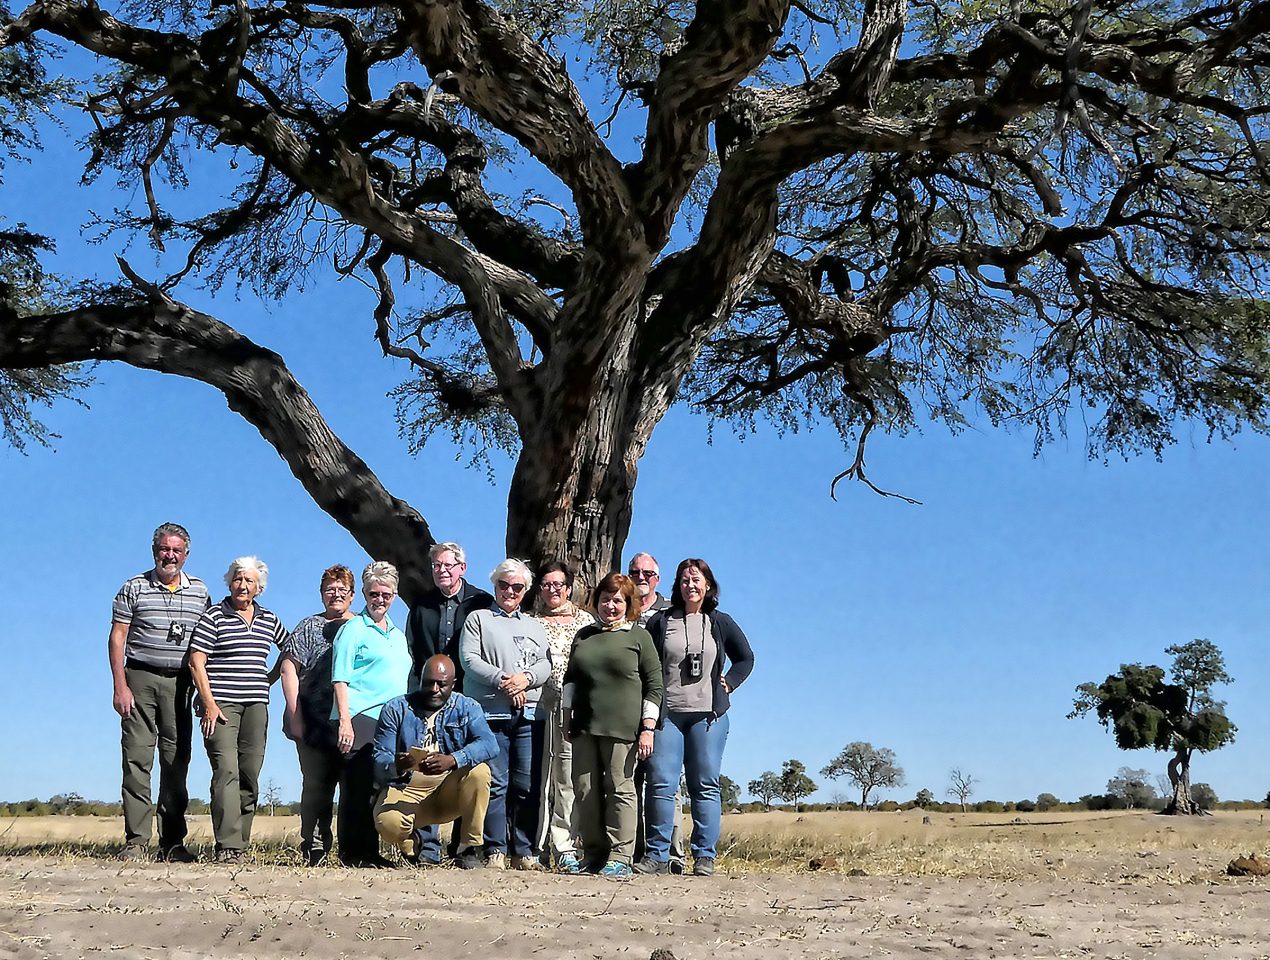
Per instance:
(612,607)
(169,557)
(693,586)
(554,589)
(646,576)
(244,588)
(436,687)
(509,591)
(447,572)
(336,598)
(379,597)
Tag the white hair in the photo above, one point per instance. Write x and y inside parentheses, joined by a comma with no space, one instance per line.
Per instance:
(249,563)
(380,571)
(439,548)
(512,565)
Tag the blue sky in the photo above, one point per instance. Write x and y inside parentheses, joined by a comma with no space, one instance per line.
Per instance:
(953,632)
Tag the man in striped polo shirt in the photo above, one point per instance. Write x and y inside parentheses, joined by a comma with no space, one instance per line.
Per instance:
(153,619)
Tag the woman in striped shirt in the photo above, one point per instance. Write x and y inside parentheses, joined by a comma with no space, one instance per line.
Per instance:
(229,652)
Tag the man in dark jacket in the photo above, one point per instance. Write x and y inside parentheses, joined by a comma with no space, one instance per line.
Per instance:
(432,750)
(433,627)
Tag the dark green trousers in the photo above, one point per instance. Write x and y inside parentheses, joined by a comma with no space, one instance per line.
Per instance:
(161,718)
(236,752)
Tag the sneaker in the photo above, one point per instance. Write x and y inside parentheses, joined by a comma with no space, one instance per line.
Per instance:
(525,863)
(703,867)
(655,867)
(468,859)
(569,863)
(229,856)
(496,861)
(315,858)
(134,853)
(616,870)
(178,853)
(676,866)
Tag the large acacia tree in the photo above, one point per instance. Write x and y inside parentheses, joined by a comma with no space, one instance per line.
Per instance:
(577,213)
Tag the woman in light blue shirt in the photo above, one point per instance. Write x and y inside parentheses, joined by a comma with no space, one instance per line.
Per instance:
(370,664)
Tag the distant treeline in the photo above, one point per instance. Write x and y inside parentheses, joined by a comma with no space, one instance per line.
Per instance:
(75,806)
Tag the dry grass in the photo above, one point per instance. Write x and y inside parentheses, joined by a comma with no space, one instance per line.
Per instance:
(1122,846)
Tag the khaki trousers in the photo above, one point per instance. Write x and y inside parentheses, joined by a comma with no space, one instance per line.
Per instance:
(236,752)
(161,718)
(604,785)
(461,794)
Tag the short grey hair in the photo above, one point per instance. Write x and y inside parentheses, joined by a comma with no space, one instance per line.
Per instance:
(380,571)
(512,565)
(645,553)
(439,548)
(249,563)
(170,530)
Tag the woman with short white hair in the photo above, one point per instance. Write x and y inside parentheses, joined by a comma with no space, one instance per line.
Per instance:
(505,663)
(370,665)
(228,654)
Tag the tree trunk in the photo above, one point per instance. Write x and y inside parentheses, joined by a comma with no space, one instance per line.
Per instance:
(1180,777)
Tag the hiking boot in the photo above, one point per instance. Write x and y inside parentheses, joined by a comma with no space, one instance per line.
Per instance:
(616,870)
(496,861)
(229,856)
(676,866)
(315,858)
(468,859)
(525,863)
(654,867)
(703,867)
(178,853)
(134,853)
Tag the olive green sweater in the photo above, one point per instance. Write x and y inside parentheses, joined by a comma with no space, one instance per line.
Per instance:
(610,677)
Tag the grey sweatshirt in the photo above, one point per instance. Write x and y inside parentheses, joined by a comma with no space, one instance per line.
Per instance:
(494,646)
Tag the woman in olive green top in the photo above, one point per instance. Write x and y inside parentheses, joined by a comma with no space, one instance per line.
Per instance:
(612,698)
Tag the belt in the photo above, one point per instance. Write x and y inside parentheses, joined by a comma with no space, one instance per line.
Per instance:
(132,664)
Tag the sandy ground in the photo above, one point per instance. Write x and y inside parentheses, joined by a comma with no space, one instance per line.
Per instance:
(1118,903)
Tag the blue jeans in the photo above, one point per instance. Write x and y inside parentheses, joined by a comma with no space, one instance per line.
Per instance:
(693,743)
(515,782)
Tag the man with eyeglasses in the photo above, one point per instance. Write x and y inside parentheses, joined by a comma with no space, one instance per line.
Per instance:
(643,569)
(646,573)
(152,620)
(433,627)
(432,752)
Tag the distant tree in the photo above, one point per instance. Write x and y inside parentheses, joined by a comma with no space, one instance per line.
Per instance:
(795,784)
(924,798)
(1267,799)
(729,792)
(272,797)
(1205,797)
(1131,786)
(1047,801)
(868,767)
(961,786)
(1143,710)
(767,788)
(1025,806)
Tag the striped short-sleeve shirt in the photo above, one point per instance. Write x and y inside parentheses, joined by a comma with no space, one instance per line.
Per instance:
(238,651)
(160,621)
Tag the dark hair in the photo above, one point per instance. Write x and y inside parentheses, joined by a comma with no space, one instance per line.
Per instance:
(338,574)
(556,566)
(618,583)
(711,601)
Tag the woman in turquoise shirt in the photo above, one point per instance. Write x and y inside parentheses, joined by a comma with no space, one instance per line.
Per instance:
(370,664)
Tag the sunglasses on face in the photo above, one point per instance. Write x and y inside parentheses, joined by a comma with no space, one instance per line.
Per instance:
(512,588)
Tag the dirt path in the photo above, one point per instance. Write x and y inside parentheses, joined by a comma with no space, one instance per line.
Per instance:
(85,908)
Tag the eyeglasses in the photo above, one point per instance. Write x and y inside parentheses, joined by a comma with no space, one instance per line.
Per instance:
(381,595)
(516,589)
(553,585)
(336,591)
(445,567)
(645,575)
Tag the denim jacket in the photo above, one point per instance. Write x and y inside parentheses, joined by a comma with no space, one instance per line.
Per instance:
(461,732)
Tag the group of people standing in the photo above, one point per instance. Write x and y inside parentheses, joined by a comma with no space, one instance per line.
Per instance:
(551,733)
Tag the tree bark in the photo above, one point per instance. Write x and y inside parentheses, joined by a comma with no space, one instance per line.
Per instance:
(169,337)
(1180,777)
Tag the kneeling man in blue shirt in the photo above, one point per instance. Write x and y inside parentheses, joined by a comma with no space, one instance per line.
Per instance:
(431,752)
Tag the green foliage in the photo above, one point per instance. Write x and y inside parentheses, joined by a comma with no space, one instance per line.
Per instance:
(794,782)
(866,766)
(924,798)
(1204,796)
(1133,787)
(1046,801)
(767,788)
(1025,806)
(729,792)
